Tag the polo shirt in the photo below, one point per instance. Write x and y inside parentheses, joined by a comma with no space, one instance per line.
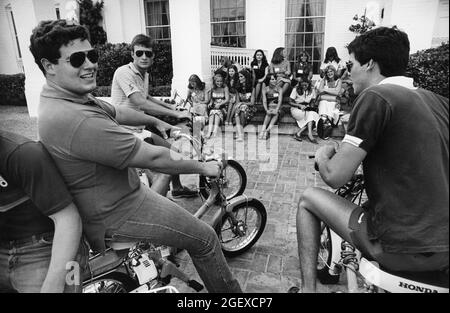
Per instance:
(405,132)
(92,152)
(127,80)
(34,191)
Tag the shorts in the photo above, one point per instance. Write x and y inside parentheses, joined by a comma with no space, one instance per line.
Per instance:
(414,262)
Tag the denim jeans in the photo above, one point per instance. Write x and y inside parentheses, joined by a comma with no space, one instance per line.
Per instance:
(162,221)
(24,266)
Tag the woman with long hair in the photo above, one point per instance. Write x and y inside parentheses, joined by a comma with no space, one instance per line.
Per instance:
(244,109)
(302,69)
(280,67)
(219,97)
(198,99)
(303,110)
(332,58)
(260,69)
(329,90)
(233,84)
(272,99)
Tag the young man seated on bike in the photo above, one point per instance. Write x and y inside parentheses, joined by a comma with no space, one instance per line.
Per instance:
(401,135)
(40,227)
(130,88)
(97,158)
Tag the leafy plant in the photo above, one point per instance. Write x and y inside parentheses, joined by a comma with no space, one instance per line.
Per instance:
(91,17)
(362,25)
(430,69)
(12,90)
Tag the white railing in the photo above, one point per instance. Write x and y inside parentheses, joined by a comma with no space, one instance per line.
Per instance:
(241,56)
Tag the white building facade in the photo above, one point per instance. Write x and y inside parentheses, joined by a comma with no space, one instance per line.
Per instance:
(200,31)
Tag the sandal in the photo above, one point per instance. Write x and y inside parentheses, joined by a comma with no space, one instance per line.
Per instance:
(297,137)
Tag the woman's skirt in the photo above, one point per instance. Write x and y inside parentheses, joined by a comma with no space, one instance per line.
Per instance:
(304,117)
(328,108)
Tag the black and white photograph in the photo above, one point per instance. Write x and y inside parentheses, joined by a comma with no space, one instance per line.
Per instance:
(227,152)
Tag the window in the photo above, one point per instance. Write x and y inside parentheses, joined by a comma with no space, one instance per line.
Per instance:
(157,19)
(228,23)
(305,24)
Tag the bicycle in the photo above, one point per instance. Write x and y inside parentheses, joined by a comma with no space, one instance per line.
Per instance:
(144,267)
(337,255)
(235,178)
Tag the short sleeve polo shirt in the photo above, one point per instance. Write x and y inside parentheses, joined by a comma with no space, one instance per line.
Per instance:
(126,81)
(404,131)
(92,151)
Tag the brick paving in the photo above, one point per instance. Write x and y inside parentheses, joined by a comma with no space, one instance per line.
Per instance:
(271,265)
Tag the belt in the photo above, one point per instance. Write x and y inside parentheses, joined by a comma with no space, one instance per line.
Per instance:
(17,243)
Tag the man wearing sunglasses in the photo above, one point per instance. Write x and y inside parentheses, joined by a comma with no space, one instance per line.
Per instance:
(130,89)
(97,158)
(400,133)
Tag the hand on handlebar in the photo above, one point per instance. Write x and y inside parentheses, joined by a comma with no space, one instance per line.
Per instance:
(212,169)
(168,130)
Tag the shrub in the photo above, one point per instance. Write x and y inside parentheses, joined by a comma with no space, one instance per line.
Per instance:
(91,17)
(429,68)
(12,90)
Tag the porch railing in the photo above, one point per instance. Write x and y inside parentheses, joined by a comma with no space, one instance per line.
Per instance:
(241,56)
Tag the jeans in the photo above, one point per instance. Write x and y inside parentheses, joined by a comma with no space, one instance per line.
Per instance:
(163,222)
(24,266)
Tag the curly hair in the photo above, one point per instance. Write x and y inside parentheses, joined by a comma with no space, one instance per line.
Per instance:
(331,67)
(388,46)
(300,89)
(49,36)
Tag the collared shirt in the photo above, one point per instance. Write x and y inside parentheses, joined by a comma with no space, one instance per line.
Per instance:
(404,131)
(128,80)
(92,152)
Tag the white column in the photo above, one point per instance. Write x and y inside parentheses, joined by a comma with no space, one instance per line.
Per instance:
(112,14)
(28,13)
(191,38)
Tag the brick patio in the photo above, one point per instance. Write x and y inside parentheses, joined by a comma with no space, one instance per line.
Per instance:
(271,265)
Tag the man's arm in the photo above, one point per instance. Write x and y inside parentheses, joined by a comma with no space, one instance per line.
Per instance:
(336,168)
(161,103)
(153,108)
(64,249)
(128,116)
(163,160)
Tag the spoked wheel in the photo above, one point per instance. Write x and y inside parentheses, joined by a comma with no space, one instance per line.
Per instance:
(111,283)
(235,181)
(324,258)
(236,238)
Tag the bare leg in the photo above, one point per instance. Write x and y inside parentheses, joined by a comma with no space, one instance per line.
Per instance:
(216,125)
(300,131)
(272,122)
(257,91)
(318,205)
(264,127)
(310,135)
(285,88)
(160,183)
(239,128)
(210,125)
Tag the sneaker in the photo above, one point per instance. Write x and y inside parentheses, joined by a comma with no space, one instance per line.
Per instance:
(184,193)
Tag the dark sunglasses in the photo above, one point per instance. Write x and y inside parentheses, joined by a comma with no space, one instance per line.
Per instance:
(78,58)
(148,54)
(349,65)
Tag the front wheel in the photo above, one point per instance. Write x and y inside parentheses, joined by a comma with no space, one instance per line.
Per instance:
(112,283)
(249,223)
(235,181)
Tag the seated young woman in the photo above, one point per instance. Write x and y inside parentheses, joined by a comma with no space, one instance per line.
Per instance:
(303,110)
(219,97)
(244,110)
(272,99)
(232,82)
(198,98)
(260,69)
(281,68)
(329,89)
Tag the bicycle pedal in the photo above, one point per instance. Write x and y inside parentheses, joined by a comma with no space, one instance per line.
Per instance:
(195,285)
